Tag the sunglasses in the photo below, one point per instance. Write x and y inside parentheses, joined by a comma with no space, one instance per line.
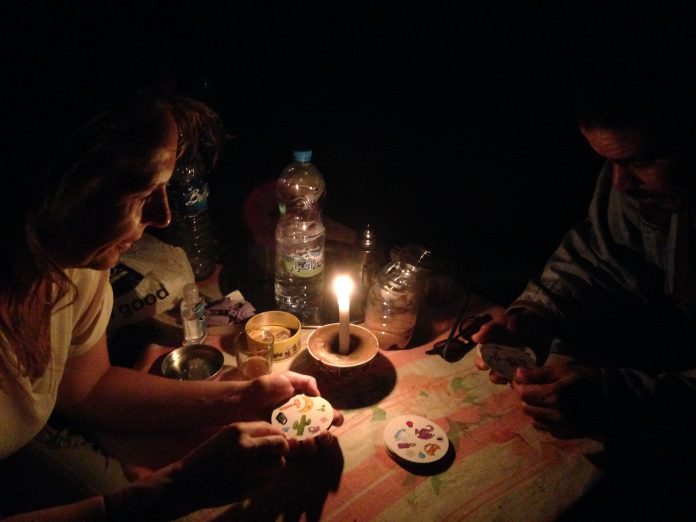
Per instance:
(459,342)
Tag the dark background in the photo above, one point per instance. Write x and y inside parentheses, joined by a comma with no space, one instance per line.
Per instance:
(446,124)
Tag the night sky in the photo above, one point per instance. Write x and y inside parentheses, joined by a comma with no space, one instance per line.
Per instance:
(448,126)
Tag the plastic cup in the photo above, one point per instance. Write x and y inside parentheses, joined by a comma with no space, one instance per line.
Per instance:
(255,353)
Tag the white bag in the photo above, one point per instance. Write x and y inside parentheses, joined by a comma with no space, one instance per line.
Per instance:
(148,280)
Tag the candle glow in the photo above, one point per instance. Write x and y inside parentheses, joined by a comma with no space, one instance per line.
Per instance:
(343,286)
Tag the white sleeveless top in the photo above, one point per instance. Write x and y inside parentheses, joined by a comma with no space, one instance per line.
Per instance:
(74,331)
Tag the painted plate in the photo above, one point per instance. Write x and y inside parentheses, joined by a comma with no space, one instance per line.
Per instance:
(303,417)
(415,439)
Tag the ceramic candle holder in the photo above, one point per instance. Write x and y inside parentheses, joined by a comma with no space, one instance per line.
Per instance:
(322,345)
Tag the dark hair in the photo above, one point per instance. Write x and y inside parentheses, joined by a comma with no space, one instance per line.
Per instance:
(640,84)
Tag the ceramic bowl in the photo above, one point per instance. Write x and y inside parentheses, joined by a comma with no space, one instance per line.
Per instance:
(322,345)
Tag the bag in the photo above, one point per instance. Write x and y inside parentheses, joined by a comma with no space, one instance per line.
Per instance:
(148,280)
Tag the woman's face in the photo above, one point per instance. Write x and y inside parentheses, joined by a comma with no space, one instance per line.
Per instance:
(135,212)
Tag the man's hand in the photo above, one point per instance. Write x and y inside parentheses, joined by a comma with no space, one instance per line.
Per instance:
(499,330)
(519,328)
(563,398)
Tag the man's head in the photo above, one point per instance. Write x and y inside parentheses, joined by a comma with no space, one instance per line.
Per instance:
(637,109)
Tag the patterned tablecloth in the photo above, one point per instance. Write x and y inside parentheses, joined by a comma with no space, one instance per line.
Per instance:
(501,467)
(498,468)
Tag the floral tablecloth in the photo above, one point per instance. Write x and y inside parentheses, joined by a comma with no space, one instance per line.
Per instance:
(498,468)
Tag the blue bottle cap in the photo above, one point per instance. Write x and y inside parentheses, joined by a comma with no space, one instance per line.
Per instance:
(302,155)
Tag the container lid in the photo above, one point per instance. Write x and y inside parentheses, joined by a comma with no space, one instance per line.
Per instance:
(416,255)
(302,155)
(191,293)
(367,240)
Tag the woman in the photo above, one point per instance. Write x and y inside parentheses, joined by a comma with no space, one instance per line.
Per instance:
(101,187)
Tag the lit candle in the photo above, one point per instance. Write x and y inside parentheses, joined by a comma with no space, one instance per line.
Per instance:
(343,285)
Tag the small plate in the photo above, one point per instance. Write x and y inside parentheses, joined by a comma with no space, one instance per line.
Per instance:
(415,439)
(303,417)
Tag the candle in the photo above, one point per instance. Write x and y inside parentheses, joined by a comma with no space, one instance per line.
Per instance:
(343,285)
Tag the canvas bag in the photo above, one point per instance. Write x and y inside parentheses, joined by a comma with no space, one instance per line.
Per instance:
(148,280)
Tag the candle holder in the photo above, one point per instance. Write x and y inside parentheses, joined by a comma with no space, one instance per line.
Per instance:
(323,346)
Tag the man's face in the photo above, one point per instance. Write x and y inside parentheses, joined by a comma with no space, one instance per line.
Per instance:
(656,179)
(136,211)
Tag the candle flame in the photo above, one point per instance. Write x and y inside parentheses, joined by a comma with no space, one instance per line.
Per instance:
(343,285)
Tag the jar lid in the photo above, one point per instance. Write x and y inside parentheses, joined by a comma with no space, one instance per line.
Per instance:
(191,293)
(416,255)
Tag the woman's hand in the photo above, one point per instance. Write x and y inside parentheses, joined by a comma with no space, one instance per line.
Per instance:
(270,391)
(241,460)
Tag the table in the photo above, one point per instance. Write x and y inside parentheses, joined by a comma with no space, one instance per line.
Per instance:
(500,468)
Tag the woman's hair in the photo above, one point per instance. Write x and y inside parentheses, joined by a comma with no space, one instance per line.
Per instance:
(80,172)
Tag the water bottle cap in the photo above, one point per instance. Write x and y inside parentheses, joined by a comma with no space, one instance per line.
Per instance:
(191,292)
(302,155)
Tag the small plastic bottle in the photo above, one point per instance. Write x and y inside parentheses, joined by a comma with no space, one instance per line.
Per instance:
(193,315)
(191,224)
(392,304)
(300,179)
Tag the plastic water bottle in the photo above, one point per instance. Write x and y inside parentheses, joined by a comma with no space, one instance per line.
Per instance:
(299,265)
(300,179)
(193,315)
(191,225)
(299,260)
(392,304)
(300,238)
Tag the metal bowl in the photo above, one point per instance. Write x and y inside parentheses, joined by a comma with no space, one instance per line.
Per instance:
(193,362)
(285,327)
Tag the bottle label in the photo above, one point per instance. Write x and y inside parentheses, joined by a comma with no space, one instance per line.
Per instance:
(309,264)
(191,199)
(200,310)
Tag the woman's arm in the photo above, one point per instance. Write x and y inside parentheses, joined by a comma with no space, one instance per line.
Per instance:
(95,392)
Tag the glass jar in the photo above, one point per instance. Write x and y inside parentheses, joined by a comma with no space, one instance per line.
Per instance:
(392,303)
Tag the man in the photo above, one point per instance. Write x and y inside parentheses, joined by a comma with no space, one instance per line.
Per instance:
(616,303)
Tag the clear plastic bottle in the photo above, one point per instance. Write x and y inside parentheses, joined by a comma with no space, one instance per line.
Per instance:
(193,315)
(301,178)
(392,303)
(191,225)
(299,260)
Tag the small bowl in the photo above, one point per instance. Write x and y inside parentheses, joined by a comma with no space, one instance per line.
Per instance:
(193,362)
(285,327)
(322,345)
